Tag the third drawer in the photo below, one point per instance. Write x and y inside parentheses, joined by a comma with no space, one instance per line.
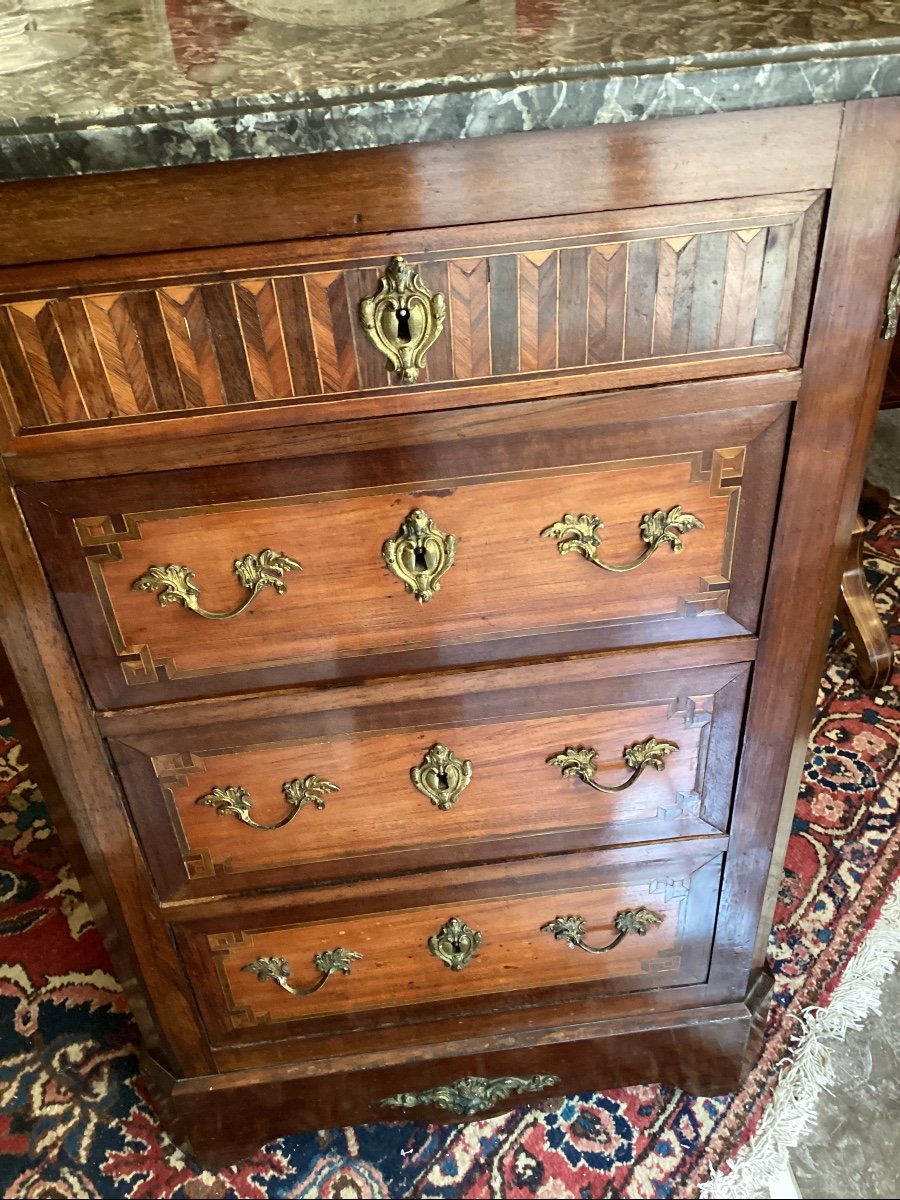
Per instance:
(419,773)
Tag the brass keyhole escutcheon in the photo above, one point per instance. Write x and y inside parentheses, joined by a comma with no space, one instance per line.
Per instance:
(455,944)
(403,319)
(419,554)
(441,777)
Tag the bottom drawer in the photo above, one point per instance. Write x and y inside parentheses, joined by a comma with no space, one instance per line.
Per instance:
(573,925)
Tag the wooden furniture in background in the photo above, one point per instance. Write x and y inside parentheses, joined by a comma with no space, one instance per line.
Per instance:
(372,847)
(856,608)
(858,615)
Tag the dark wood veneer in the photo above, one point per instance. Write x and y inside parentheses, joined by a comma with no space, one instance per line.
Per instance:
(448,183)
(227,1098)
(724,283)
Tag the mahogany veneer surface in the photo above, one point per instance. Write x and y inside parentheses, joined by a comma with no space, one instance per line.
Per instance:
(397,975)
(517,804)
(670,313)
(495,484)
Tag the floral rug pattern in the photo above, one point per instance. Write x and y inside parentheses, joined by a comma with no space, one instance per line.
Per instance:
(76,1121)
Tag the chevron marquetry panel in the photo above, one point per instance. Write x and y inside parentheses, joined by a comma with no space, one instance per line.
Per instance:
(553,305)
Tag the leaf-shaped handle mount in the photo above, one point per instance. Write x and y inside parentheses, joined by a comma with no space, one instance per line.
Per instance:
(580,534)
(276,969)
(235,801)
(175,584)
(572,929)
(581,762)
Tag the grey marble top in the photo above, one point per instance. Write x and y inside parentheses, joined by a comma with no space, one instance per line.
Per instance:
(143,83)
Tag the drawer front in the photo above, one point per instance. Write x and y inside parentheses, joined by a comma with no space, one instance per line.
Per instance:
(391,779)
(682,292)
(527,534)
(519,935)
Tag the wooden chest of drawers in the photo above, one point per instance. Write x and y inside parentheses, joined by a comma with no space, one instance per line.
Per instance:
(422,611)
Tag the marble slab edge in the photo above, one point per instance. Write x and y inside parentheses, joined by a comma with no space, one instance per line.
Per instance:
(274,127)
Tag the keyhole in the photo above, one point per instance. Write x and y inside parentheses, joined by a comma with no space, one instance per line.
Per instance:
(419,559)
(403,334)
(442,781)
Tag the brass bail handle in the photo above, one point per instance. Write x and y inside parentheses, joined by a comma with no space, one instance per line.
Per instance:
(175,584)
(276,969)
(581,762)
(572,929)
(403,319)
(579,533)
(235,801)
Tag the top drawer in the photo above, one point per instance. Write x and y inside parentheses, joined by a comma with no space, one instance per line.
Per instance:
(526,307)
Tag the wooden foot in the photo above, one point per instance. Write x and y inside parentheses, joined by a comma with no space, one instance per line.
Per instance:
(860,619)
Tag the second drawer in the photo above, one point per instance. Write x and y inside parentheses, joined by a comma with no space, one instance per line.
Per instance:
(521,531)
(417,774)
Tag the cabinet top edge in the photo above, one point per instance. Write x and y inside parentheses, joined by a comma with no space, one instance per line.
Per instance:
(220,81)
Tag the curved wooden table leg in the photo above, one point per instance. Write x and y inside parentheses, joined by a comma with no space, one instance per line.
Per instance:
(857,613)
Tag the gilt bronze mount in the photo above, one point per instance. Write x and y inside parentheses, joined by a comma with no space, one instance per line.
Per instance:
(581,535)
(581,762)
(419,554)
(276,969)
(403,319)
(441,776)
(235,801)
(473,1094)
(572,929)
(455,944)
(175,584)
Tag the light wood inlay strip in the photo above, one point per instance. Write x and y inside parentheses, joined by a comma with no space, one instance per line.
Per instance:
(171,302)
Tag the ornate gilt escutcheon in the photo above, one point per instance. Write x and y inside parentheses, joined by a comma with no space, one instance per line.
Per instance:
(581,535)
(581,762)
(235,801)
(441,776)
(419,554)
(177,585)
(892,304)
(455,944)
(278,970)
(473,1094)
(403,319)
(572,929)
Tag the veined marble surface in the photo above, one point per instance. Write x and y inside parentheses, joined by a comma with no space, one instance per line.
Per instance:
(166,82)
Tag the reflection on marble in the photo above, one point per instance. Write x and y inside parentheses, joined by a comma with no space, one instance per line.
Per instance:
(174,81)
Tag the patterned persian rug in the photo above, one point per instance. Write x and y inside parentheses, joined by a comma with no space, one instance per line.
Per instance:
(75,1119)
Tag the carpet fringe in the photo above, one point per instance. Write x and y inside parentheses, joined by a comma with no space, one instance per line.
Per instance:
(792,1109)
